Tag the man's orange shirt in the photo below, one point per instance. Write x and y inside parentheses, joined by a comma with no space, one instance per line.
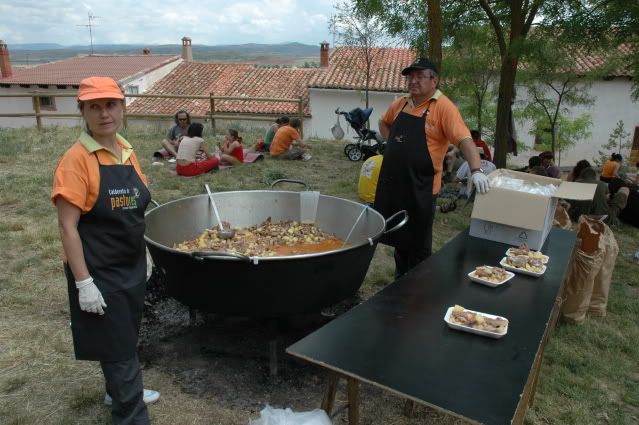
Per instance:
(77,176)
(283,139)
(444,125)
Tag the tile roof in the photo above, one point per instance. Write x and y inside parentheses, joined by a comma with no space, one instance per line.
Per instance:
(228,79)
(585,62)
(72,71)
(346,69)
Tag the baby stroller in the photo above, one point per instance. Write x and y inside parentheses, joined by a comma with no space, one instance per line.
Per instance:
(368,142)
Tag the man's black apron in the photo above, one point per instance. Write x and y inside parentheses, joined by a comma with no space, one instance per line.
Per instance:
(112,235)
(406,182)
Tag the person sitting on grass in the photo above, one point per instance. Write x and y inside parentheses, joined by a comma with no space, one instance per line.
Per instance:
(610,169)
(171,141)
(576,171)
(463,173)
(618,193)
(539,170)
(533,162)
(265,145)
(287,143)
(599,203)
(187,163)
(231,149)
(548,161)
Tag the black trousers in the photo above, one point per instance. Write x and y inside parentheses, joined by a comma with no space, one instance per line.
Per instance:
(406,259)
(123,381)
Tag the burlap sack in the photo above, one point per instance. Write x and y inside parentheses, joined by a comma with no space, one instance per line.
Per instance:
(562,219)
(591,271)
(601,286)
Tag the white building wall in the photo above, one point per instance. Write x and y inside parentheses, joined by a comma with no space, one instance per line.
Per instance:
(323,103)
(15,105)
(65,105)
(145,81)
(612,103)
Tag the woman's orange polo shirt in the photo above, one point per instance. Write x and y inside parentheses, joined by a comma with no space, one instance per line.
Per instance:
(77,176)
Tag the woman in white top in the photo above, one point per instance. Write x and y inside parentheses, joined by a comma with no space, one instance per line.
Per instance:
(187,163)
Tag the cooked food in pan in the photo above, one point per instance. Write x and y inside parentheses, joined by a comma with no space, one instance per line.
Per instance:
(463,317)
(491,274)
(525,262)
(268,239)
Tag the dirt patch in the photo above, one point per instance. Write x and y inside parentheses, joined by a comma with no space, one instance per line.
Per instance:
(226,359)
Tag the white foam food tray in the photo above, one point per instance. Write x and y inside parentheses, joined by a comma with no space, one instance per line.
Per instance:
(544,258)
(488,282)
(473,330)
(522,271)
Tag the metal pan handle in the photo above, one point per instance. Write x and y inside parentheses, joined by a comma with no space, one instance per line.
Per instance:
(289,181)
(202,255)
(399,225)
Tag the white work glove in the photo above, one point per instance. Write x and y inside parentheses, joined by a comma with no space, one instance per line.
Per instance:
(90,297)
(480,181)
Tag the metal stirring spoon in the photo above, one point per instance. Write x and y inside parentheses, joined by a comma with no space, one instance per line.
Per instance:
(222,233)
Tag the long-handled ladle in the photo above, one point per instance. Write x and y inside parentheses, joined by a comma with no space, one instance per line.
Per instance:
(222,233)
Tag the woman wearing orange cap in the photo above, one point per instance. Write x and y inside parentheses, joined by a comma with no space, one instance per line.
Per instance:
(100,194)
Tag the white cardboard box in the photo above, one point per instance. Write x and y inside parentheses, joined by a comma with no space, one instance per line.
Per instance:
(512,217)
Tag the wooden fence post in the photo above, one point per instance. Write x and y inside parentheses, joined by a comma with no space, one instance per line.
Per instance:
(212,112)
(300,112)
(124,118)
(36,106)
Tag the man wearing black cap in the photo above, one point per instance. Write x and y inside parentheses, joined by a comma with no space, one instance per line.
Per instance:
(419,127)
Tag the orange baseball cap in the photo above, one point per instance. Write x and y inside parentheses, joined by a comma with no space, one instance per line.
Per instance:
(99,88)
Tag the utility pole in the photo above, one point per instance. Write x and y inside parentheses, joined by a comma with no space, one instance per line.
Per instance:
(90,26)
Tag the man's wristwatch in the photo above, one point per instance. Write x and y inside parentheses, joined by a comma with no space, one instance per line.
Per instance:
(481,170)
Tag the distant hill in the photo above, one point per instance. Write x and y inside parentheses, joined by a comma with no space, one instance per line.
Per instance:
(284,53)
(37,46)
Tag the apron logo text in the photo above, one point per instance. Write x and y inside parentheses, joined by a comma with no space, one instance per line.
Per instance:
(124,202)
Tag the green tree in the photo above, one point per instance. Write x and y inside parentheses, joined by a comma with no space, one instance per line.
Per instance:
(565,134)
(612,24)
(472,62)
(362,31)
(618,142)
(423,25)
(552,85)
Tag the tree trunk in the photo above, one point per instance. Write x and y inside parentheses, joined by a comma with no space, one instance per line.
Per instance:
(435,33)
(504,108)
(479,116)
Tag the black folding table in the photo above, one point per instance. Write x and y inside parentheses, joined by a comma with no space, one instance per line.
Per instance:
(398,340)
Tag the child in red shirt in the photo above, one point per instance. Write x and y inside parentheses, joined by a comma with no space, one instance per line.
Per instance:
(231,150)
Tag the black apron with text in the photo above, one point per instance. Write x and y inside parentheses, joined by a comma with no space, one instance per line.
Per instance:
(112,235)
(406,182)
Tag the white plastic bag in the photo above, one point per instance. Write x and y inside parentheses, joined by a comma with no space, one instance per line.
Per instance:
(337,131)
(270,416)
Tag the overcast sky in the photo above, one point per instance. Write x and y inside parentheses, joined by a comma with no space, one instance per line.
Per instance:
(152,22)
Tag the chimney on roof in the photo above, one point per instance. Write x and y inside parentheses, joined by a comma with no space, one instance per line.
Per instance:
(187,51)
(324,54)
(146,51)
(5,62)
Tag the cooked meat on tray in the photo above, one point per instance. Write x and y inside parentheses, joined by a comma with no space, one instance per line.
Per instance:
(491,274)
(463,317)
(524,250)
(526,263)
(268,239)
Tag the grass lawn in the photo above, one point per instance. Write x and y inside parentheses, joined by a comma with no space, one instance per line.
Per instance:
(590,373)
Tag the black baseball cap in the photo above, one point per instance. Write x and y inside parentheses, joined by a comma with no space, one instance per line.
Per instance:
(420,63)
